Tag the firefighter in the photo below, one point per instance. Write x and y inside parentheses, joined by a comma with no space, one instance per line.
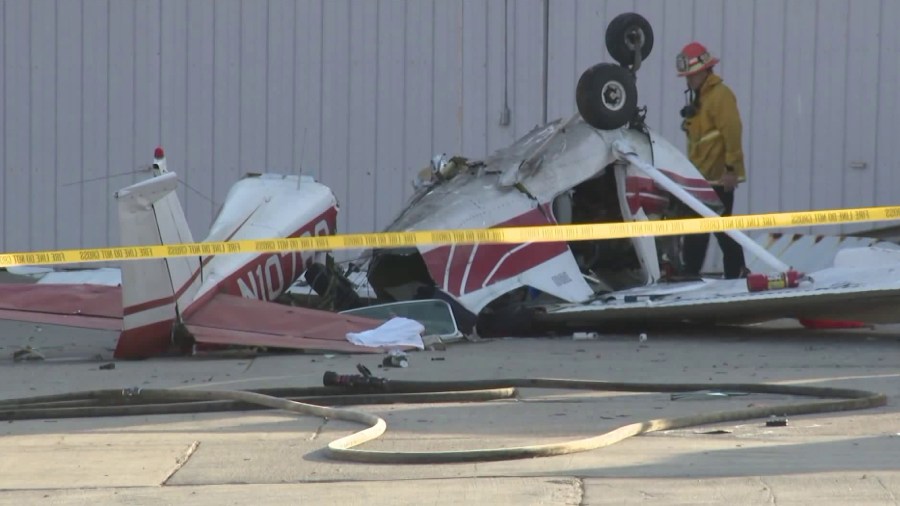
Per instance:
(712,124)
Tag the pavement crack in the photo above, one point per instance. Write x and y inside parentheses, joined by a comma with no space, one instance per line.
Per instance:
(318,430)
(886,489)
(772,498)
(181,461)
(250,364)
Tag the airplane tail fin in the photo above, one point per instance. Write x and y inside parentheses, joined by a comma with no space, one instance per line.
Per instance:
(153,290)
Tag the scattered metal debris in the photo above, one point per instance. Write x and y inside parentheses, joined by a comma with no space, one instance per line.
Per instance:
(395,358)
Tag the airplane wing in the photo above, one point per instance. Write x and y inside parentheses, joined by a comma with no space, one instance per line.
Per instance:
(83,305)
(232,320)
(867,294)
(224,320)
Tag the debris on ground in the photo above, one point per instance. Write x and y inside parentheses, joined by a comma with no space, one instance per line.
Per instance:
(27,353)
(395,358)
(702,395)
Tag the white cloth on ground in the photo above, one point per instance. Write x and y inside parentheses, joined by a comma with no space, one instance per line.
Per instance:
(397,331)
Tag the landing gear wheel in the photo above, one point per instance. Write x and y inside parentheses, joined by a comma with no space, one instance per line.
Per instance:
(626,33)
(606,96)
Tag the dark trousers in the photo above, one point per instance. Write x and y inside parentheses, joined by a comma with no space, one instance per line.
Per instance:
(695,245)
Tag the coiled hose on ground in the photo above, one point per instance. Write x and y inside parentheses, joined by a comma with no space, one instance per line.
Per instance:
(367,390)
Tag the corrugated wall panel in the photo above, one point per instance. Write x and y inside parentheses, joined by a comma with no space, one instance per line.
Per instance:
(497,78)
(419,76)
(68,147)
(3,137)
(861,110)
(390,87)
(365,100)
(797,94)
(121,103)
(17,115)
(361,94)
(308,88)
(474,77)
(829,120)
(97,226)
(43,125)
(887,156)
(147,112)
(253,76)
(197,171)
(226,93)
(173,96)
(762,107)
(446,112)
(336,109)
(526,72)
(282,44)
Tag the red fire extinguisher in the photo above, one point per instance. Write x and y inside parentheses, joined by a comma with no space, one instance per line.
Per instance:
(759,282)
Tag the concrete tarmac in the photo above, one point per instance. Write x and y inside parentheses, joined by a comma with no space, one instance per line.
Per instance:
(274,457)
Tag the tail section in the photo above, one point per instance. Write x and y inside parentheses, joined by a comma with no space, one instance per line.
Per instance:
(153,290)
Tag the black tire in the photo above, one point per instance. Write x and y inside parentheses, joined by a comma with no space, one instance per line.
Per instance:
(606,96)
(618,40)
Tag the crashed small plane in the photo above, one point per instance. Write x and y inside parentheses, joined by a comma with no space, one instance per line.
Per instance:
(172,304)
(601,165)
(604,164)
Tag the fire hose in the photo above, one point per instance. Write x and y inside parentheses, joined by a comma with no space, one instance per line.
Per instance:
(367,389)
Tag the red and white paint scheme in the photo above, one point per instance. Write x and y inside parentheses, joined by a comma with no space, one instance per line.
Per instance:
(563,172)
(570,172)
(224,299)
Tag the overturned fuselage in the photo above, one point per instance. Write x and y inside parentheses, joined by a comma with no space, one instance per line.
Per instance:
(561,173)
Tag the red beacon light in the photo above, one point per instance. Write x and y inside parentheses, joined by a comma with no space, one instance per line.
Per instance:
(159,153)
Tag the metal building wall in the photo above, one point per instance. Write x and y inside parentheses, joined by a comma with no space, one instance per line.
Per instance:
(361,94)
(816,81)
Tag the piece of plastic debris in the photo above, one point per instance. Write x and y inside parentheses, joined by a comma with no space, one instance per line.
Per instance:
(777,421)
(583,336)
(108,366)
(329,355)
(642,338)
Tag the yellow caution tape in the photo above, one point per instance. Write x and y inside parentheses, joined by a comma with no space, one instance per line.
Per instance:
(544,233)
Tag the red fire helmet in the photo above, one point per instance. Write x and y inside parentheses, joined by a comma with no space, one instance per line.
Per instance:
(693,58)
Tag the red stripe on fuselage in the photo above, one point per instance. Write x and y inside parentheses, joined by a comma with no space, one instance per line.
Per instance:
(291,265)
(491,263)
(150,304)
(643,192)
